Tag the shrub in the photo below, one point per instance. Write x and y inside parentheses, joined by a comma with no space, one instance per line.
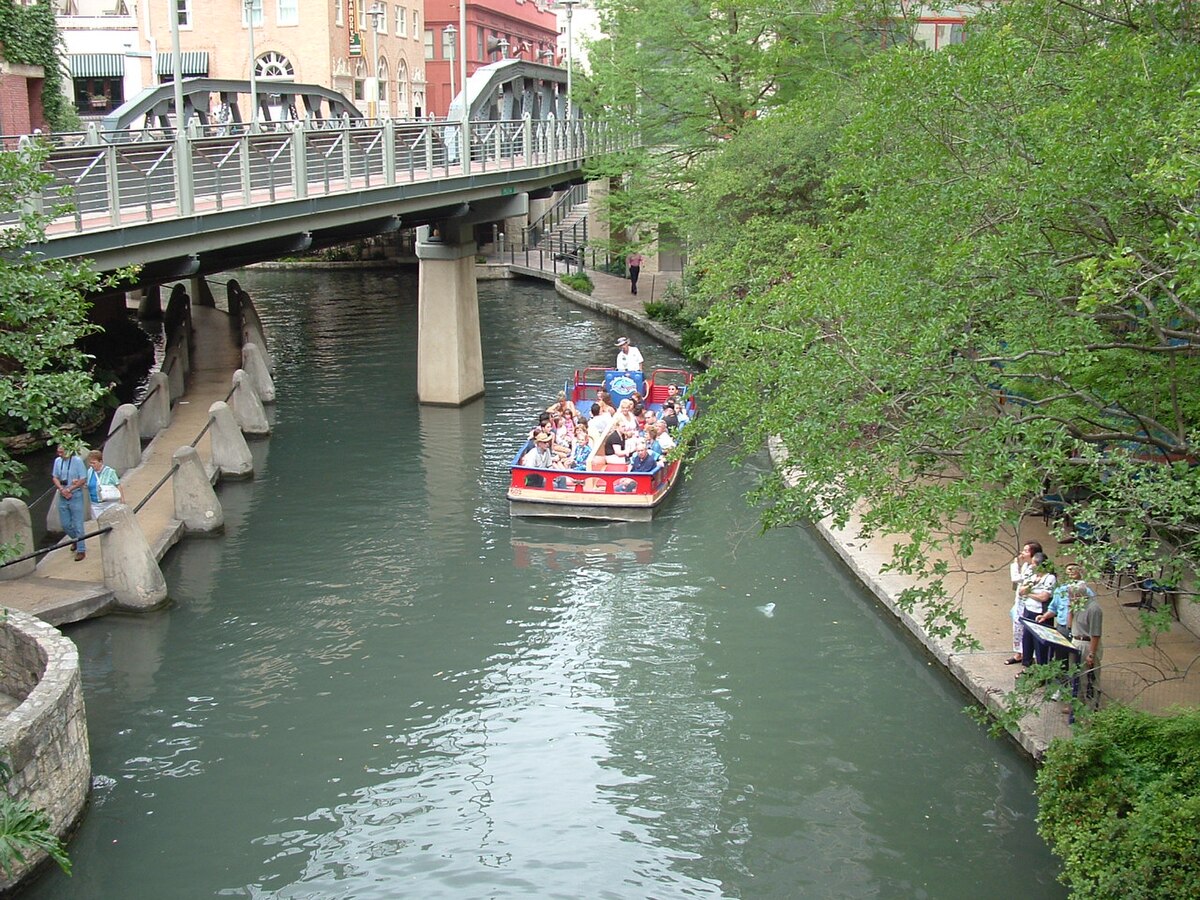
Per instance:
(1120,805)
(579,281)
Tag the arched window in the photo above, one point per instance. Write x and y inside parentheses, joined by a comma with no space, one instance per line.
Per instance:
(402,108)
(382,75)
(274,66)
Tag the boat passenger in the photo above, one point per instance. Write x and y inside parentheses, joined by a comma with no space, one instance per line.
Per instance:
(642,459)
(540,456)
(598,424)
(583,449)
(625,414)
(629,358)
(619,444)
(663,442)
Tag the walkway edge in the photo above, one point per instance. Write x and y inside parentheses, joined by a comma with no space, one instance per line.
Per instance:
(968,669)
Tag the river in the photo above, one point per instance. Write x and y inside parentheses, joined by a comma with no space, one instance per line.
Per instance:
(375,684)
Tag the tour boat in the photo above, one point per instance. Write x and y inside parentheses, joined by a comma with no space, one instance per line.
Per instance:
(604,490)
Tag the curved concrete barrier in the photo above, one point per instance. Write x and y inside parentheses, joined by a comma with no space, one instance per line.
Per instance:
(45,738)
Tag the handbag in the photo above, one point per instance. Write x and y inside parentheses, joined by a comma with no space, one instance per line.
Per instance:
(109,493)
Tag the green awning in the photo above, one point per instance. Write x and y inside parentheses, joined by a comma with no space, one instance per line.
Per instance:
(97,65)
(194,62)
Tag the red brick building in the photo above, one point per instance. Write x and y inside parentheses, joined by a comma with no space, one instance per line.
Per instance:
(529,27)
(20,98)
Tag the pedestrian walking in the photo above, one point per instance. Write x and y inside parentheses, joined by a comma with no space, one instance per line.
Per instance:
(634,263)
(70,480)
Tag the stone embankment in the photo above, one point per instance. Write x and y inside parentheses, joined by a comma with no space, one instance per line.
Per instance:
(1155,677)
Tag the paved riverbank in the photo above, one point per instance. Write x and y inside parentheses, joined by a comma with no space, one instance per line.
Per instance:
(1154,678)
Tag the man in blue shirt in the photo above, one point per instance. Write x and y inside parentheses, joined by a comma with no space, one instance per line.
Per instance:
(70,481)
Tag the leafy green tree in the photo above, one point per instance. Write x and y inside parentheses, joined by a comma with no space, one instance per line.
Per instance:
(44,377)
(993,295)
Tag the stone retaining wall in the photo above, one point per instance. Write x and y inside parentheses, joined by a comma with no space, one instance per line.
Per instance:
(44,740)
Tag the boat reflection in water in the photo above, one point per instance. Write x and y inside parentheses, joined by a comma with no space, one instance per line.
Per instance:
(566,555)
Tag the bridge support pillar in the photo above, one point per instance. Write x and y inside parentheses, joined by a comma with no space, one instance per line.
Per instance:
(449,349)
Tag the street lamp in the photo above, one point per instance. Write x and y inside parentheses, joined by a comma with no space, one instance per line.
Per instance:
(452,46)
(376,12)
(569,6)
(248,6)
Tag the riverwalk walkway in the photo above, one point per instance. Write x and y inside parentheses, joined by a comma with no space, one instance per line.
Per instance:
(1154,678)
(61,590)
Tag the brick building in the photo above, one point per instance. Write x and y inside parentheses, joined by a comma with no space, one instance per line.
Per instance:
(528,27)
(117,47)
(20,99)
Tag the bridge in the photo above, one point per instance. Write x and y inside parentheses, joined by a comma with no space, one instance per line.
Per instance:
(216,195)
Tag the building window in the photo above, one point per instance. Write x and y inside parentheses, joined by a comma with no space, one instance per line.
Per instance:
(448,49)
(362,16)
(258,13)
(416,29)
(274,66)
(429,44)
(382,18)
(97,96)
(381,76)
(288,12)
(183,9)
(479,42)
(339,13)
(401,22)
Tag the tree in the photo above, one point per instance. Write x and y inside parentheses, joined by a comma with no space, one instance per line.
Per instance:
(995,297)
(44,377)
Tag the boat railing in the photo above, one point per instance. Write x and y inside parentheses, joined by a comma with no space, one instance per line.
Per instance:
(568,481)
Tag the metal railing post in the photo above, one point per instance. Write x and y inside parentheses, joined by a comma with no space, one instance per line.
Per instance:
(464,151)
(389,152)
(428,151)
(114,185)
(299,143)
(185,184)
(527,139)
(346,150)
(244,165)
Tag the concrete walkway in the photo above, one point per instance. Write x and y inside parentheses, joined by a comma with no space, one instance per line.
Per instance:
(62,590)
(1155,678)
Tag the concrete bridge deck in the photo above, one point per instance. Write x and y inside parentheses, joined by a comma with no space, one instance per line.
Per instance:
(61,590)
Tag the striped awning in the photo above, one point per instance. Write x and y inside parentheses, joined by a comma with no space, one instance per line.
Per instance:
(194,62)
(97,65)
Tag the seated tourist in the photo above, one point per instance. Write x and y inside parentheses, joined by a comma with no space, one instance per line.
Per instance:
(662,442)
(642,459)
(598,424)
(539,456)
(619,444)
(583,449)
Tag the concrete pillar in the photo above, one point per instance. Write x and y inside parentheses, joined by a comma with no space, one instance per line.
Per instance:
(256,368)
(150,306)
(202,293)
(130,570)
(247,406)
(16,530)
(123,449)
(155,413)
(449,349)
(196,503)
(230,452)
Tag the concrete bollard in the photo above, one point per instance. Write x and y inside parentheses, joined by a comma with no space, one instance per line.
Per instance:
(172,365)
(150,305)
(256,367)
(123,449)
(130,570)
(252,334)
(230,452)
(247,406)
(16,528)
(233,298)
(155,414)
(196,503)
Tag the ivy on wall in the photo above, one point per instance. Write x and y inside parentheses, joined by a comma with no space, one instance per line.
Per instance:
(30,37)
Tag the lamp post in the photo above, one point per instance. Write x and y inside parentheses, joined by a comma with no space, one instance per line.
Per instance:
(248,6)
(376,12)
(569,6)
(451,33)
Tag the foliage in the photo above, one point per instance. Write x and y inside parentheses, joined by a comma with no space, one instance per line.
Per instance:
(579,281)
(44,377)
(30,36)
(1120,805)
(25,831)
(980,284)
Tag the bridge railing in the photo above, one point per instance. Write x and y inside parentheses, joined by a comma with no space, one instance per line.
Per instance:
(167,175)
